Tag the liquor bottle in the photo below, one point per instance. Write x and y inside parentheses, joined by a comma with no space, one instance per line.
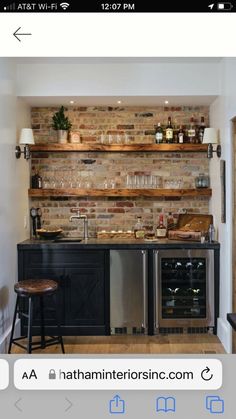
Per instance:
(159,134)
(201,130)
(170,221)
(40,182)
(191,131)
(169,132)
(161,228)
(139,230)
(180,135)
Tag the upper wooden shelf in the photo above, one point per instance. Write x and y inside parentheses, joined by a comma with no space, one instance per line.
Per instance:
(36,193)
(118,147)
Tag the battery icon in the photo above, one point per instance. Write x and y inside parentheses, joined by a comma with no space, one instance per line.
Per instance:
(224,6)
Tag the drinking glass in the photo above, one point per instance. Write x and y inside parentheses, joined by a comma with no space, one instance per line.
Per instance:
(129,183)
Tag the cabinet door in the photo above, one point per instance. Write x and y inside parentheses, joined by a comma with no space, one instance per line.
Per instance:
(85,296)
(56,274)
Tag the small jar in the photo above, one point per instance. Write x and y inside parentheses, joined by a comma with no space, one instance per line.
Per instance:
(202,181)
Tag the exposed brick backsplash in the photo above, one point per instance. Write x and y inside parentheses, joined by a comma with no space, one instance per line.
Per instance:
(116,213)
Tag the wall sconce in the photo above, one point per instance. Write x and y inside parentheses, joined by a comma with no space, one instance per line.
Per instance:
(26,138)
(211,137)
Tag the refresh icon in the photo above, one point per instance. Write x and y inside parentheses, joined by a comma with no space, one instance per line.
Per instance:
(206,375)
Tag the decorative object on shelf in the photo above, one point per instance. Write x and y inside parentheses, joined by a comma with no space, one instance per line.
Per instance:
(211,137)
(202,181)
(223,190)
(74,137)
(62,125)
(26,139)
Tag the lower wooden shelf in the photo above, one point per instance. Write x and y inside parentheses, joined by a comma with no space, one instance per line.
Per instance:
(37,193)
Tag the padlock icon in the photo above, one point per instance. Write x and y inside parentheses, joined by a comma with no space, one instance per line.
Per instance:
(52,375)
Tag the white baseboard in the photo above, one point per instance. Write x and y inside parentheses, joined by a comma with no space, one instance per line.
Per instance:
(4,340)
(224,333)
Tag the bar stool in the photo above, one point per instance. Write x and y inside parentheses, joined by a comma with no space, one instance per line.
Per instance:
(31,290)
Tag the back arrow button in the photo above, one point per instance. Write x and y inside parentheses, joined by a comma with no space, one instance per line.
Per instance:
(17,34)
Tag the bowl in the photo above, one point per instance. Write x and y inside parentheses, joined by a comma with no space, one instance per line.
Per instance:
(48,234)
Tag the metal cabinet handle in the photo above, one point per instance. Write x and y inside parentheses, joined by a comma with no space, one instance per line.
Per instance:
(156,283)
(144,253)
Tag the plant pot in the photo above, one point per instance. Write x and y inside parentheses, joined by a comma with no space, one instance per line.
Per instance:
(62,136)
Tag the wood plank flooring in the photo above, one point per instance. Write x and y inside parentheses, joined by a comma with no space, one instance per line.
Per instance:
(164,344)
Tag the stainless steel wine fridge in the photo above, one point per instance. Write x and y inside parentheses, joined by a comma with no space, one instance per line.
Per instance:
(184,290)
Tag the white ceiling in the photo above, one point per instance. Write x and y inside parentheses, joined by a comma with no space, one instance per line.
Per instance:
(126,100)
(131,100)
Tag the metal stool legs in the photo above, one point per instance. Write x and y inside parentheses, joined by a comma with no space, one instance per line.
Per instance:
(43,342)
(13,324)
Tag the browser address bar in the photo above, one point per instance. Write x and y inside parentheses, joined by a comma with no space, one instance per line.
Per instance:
(114,374)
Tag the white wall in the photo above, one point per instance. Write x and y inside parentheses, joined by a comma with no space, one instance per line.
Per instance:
(97,79)
(13,192)
(221,113)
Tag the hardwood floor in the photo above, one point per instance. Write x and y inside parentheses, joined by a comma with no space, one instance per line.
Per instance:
(164,344)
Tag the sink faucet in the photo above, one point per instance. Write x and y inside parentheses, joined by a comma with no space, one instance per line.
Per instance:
(84,217)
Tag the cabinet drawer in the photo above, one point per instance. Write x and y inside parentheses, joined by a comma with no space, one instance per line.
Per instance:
(63,258)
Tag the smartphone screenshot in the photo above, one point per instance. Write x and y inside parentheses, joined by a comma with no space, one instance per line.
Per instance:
(117,212)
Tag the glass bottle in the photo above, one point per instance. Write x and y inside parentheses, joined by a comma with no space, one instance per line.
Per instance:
(191,131)
(170,221)
(139,230)
(159,134)
(211,233)
(180,135)
(169,131)
(201,130)
(161,228)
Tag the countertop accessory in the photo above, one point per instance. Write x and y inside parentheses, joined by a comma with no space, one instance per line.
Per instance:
(211,137)
(26,139)
(191,227)
(48,234)
(83,217)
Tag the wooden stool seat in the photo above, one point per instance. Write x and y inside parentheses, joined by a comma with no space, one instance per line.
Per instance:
(31,287)
(31,291)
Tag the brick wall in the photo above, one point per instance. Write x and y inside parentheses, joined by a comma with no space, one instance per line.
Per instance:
(115,213)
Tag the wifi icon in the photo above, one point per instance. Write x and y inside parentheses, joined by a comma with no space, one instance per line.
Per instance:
(64,6)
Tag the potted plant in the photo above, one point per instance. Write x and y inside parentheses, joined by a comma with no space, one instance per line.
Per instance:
(61,124)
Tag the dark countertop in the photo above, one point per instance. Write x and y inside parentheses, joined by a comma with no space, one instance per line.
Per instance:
(231,317)
(93,243)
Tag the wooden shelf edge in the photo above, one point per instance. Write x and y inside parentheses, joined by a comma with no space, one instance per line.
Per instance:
(118,147)
(34,193)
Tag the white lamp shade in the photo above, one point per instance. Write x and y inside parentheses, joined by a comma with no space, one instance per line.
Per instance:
(210,136)
(26,136)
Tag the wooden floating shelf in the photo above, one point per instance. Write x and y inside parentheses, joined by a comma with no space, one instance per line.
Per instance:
(54,147)
(37,193)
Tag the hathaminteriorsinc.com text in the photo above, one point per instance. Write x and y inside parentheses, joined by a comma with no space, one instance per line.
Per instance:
(124,375)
